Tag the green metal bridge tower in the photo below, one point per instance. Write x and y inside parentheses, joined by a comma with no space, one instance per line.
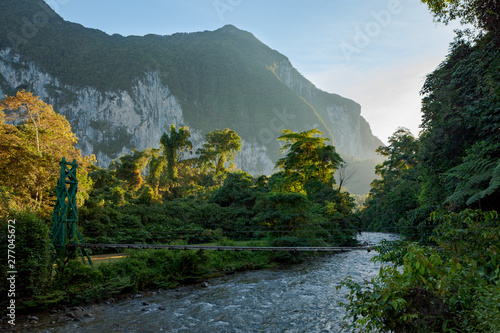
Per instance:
(64,230)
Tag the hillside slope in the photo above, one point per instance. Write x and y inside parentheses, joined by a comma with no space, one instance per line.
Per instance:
(121,92)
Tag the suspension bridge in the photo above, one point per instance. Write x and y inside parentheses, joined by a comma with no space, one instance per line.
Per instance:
(65,234)
(220,248)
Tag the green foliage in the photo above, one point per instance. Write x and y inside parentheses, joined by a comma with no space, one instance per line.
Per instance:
(396,193)
(460,122)
(167,268)
(147,196)
(203,206)
(221,146)
(455,162)
(309,164)
(31,150)
(417,225)
(126,206)
(436,289)
(336,200)
(77,274)
(478,176)
(129,168)
(282,212)
(236,191)
(173,146)
(32,255)
(484,14)
(448,282)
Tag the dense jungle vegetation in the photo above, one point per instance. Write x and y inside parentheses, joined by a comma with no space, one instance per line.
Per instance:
(170,195)
(442,192)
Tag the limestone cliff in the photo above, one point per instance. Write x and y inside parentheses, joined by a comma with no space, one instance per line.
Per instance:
(112,123)
(351,132)
(121,93)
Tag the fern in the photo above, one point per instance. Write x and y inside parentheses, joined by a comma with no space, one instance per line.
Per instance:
(477,177)
(492,188)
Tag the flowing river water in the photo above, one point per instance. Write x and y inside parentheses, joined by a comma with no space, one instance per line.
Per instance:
(299,298)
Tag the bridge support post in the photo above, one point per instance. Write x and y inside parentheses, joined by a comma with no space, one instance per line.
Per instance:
(64,230)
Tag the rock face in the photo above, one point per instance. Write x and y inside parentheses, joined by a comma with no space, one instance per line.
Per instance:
(111,124)
(351,132)
(107,124)
(245,86)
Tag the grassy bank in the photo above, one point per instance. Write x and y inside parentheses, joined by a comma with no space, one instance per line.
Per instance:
(139,270)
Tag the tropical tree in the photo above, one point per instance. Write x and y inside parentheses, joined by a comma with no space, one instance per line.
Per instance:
(237,190)
(221,147)
(282,212)
(396,193)
(309,163)
(484,14)
(401,153)
(129,168)
(173,147)
(345,175)
(33,140)
(460,122)
(43,127)
(157,164)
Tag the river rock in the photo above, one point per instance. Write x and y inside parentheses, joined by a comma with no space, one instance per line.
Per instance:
(71,315)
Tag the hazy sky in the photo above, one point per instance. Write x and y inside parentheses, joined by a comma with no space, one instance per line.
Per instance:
(376,52)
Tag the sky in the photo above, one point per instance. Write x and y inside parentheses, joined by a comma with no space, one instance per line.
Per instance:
(375,52)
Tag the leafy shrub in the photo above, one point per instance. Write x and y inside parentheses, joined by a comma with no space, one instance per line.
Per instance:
(157,268)
(32,255)
(77,273)
(450,288)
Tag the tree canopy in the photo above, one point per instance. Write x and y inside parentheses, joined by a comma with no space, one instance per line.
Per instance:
(173,146)
(442,189)
(221,147)
(33,140)
(308,160)
(483,14)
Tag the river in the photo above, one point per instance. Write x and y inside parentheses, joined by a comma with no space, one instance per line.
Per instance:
(299,298)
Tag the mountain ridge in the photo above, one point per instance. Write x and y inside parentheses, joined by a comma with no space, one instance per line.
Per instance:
(122,92)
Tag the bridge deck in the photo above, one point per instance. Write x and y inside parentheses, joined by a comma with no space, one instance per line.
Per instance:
(222,248)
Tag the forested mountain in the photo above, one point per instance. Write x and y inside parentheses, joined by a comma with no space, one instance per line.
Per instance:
(455,162)
(121,93)
(441,191)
